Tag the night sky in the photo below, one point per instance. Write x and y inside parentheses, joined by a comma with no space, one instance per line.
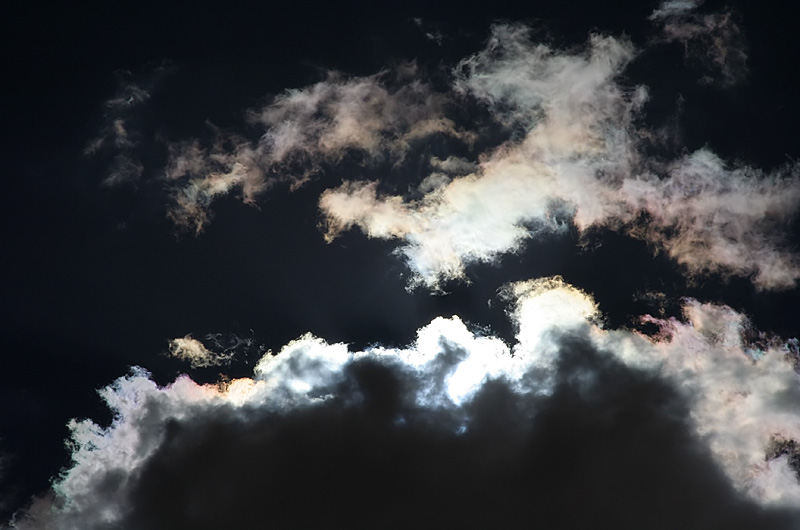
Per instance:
(502,264)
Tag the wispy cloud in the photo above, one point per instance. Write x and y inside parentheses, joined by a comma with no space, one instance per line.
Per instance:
(560,141)
(117,141)
(193,351)
(222,350)
(452,416)
(564,103)
(374,119)
(574,157)
(712,40)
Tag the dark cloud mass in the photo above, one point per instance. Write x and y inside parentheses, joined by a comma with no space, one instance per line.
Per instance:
(587,283)
(609,448)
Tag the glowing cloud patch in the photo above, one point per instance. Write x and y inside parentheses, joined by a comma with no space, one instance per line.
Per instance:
(192,350)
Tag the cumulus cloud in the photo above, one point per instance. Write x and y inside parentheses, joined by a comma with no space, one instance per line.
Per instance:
(574,157)
(680,427)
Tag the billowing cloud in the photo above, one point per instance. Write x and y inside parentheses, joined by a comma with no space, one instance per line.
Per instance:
(574,157)
(573,424)
(744,398)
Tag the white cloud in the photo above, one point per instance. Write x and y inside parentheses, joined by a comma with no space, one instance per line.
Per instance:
(742,399)
(574,116)
(573,156)
(711,39)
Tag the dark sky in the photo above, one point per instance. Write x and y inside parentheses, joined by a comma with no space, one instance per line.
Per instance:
(213,172)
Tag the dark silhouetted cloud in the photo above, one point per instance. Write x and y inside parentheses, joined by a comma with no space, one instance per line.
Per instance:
(573,424)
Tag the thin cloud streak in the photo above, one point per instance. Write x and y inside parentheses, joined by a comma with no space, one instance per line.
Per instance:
(573,152)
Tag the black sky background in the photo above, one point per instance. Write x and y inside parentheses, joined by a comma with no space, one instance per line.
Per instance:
(96,280)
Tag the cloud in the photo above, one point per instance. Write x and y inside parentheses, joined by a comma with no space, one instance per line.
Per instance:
(671,8)
(710,39)
(743,398)
(540,139)
(726,220)
(117,142)
(575,156)
(225,348)
(563,103)
(9,492)
(378,118)
(467,430)
(192,350)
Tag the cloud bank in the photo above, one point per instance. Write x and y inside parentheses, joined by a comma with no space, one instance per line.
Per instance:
(570,426)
